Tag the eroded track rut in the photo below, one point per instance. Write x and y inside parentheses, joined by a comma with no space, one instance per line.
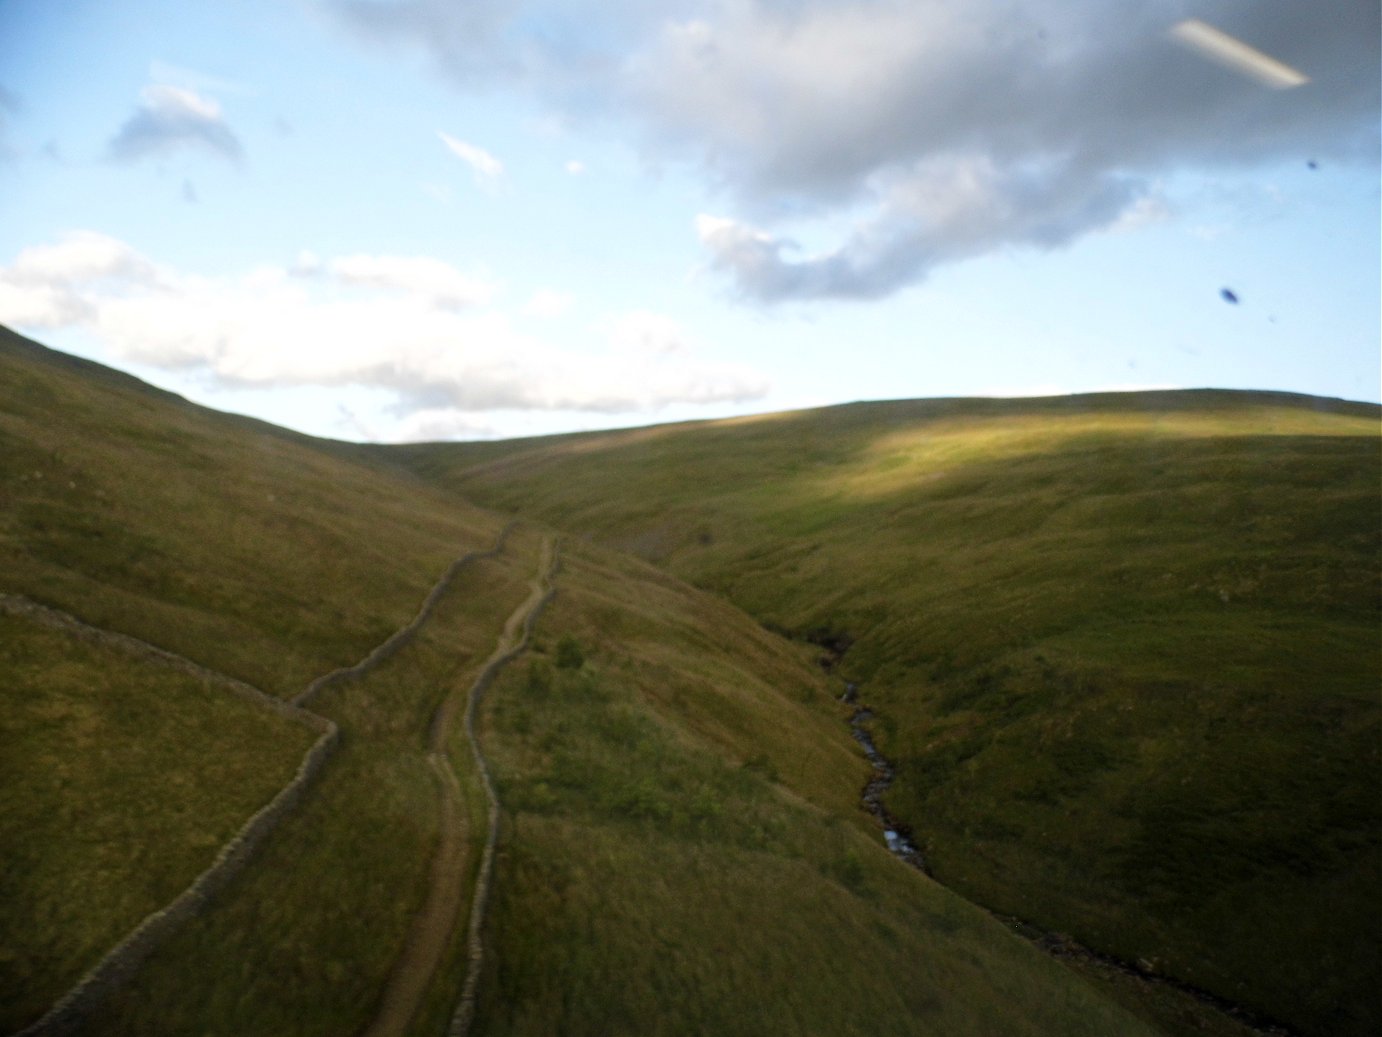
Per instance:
(434,926)
(82,1002)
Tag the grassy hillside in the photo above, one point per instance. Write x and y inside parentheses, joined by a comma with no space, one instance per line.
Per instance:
(681,846)
(251,550)
(246,547)
(305,943)
(1124,648)
(683,852)
(121,781)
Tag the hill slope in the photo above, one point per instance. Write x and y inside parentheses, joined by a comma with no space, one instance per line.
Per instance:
(687,783)
(247,547)
(1124,648)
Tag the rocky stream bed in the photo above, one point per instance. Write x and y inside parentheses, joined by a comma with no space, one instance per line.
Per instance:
(901,842)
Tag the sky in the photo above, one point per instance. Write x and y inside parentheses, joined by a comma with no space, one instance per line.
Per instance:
(399,220)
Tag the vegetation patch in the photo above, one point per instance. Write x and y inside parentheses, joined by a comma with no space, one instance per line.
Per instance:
(1122,648)
(101,822)
(257,552)
(304,941)
(654,879)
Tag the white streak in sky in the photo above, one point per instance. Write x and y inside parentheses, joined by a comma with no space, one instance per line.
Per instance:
(1233,53)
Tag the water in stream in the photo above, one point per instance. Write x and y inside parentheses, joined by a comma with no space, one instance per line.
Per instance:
(899,839)
(895,834)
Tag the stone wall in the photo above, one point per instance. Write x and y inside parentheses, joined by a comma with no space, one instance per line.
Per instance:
(17,605)
(79,1004)
(401,637)
(464,1014)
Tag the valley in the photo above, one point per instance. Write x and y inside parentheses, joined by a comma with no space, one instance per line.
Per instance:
(594,770)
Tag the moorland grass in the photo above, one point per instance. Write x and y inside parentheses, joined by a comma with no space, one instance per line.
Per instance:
(304,940)
(255,551)
(655,878)
(1123,648)
(120,779)
(1047,598)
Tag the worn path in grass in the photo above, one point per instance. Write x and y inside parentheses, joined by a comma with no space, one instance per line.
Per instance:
(124,960)
(432,929)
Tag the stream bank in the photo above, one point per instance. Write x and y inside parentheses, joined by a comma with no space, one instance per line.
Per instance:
(901,843)
(897,835)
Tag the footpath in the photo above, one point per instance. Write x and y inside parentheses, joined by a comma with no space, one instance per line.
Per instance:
(434,926)
(81,1004)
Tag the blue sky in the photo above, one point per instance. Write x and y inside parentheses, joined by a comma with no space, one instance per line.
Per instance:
(404,219)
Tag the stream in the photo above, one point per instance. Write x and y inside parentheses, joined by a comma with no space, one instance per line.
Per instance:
(897,835)
(901,843)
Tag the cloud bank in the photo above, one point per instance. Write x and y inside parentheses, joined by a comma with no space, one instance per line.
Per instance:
(415,326)
(169,118)
(940,130)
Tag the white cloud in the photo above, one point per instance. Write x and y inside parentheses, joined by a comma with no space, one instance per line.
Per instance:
(431,279)
(387,322)
(1148,210)
(191,79)
(937,211)
(40,306)
(485,166)
(575,167)
(307,263)
(548,303)
(642,332)
(170,117)
(83,256)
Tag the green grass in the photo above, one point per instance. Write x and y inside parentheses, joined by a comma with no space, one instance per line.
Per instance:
(255,551)
(121,780)
(655,878)
(1124,648)
(304,941)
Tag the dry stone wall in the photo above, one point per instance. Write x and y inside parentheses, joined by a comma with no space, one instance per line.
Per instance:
(464,1015)
(401,637)
(79,1004)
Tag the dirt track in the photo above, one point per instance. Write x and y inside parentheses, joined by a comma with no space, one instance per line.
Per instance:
(433,927)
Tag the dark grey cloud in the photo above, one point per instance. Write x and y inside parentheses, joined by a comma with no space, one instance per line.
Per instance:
(954,128)
(463,37)
(169,118)
(947,212)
